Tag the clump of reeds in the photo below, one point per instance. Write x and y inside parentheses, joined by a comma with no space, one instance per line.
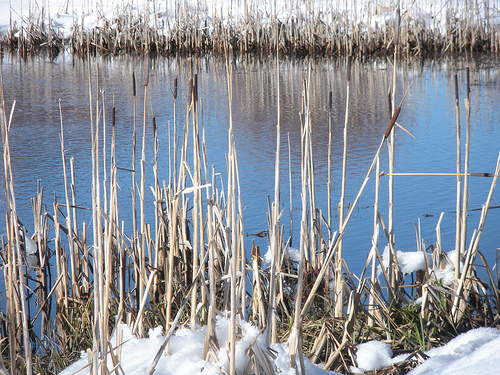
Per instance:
(312,30)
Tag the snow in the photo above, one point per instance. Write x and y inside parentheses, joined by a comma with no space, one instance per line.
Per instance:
(186,351)
(447,274)
(474,352)
(373,355)
(94,13)
(409,261)
(412,261)
(291,253)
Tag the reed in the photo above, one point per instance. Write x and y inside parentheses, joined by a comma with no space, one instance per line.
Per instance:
(275,232)
(459,185)
(465,193)
(339,303)
(14,276)
(390,146)
(328,29)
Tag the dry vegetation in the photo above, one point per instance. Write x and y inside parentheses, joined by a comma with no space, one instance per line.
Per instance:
(306,29)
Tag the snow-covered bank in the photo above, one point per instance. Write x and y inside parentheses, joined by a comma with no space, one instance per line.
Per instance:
(473,352)
(136,355)
(306,27)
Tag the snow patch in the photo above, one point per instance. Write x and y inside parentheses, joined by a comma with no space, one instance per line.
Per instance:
(373,355)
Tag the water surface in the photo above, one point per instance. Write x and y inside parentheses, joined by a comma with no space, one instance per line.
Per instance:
(39,84)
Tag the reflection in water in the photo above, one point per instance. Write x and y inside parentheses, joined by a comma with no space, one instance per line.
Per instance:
(428,112)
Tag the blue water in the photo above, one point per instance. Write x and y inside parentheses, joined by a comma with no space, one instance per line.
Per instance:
(428,112)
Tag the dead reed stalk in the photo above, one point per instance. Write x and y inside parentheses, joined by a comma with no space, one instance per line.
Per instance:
(319,29)
(15,274)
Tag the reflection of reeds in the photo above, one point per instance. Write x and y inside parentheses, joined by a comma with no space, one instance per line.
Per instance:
(313,29)
(13,259)
(191,263)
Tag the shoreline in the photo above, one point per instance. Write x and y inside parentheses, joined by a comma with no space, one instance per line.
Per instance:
(285,28)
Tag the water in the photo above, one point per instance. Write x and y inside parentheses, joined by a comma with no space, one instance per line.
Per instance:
(37,84)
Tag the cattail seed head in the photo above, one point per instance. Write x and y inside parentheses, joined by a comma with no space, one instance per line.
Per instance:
(133,84)
(392,122)
(195,87)
(190,91)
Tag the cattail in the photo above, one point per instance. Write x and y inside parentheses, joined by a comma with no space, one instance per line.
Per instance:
(348,70)
(133,84)
(195,88)
(190,91)
(392,122)
(482,174)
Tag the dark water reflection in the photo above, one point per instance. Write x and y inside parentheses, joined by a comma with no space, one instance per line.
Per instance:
(38,84)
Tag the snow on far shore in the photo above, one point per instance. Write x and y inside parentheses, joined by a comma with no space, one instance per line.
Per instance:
(64,14)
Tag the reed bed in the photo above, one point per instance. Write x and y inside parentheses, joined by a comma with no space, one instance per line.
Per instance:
(300,29)
(192,262)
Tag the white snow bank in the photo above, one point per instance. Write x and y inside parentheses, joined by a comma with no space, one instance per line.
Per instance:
(471,353)
(186,353)
(64,14)
(474,352)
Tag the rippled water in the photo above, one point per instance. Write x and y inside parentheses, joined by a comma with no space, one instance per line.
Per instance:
(38,84)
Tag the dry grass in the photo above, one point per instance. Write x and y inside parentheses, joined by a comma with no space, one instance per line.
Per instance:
(314,30)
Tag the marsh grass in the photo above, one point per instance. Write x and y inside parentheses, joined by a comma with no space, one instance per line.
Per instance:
(307,29)
(191,265)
